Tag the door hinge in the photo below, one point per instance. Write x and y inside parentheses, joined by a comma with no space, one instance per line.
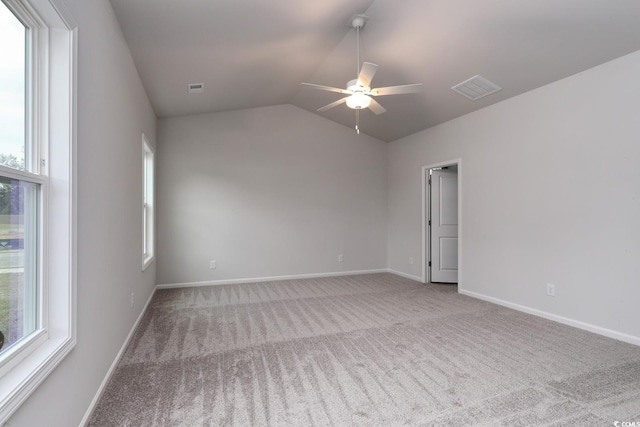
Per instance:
(429,263)
(429,223)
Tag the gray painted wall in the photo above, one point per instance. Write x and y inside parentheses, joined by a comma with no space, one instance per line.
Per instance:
(113,111)
(550,194)
(267,192)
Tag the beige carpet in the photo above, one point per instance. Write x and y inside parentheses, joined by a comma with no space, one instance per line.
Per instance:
(370,350)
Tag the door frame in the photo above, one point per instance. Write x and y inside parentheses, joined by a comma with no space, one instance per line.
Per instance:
(426,209)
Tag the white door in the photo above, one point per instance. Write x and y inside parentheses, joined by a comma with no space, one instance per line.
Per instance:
(444,226)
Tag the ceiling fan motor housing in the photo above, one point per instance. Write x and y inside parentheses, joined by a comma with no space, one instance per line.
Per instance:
(355,86)
(359,98)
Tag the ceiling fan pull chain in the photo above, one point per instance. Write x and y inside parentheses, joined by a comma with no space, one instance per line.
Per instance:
(358,122)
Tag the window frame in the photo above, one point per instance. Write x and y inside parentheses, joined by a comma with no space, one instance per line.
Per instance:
(33,172)
(15,354)
(50,87)
(148,203)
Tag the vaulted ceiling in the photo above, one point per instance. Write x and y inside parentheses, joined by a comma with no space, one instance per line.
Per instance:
(252,53)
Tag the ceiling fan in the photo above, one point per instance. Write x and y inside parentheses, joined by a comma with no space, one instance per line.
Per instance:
(359,89)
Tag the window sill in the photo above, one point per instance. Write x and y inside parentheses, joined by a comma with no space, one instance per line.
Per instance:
(147,262)
(22,380)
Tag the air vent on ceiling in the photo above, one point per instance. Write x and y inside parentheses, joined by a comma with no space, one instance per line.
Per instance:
(196,87)
(476,87)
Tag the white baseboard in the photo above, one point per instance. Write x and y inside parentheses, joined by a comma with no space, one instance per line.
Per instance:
(112,369)
(560,319)
(267,279)
(405,275)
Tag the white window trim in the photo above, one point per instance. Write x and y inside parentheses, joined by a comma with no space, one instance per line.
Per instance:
(54,125)
(148,215)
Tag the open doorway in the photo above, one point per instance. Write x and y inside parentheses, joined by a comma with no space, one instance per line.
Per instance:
(441,222)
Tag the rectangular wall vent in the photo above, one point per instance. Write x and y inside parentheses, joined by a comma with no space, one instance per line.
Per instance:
(196,87)
(476,87)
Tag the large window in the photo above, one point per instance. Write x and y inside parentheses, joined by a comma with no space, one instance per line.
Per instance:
(147,204)
(21,185)
(36,195)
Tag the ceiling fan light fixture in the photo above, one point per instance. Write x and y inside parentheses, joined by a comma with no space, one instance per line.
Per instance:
(358,101)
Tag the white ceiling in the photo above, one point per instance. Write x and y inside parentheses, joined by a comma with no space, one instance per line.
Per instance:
(252,53)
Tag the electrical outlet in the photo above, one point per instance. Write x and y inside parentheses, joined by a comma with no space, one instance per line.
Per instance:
(551,290)
(410,260)
(212,264)
(340,258)
(133,295)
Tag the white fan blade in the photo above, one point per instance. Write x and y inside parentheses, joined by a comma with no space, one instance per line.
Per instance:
(333,104)
(367,72)
(397,90)
(327,88)
(376,107)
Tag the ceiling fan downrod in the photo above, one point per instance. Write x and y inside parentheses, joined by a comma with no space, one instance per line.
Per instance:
(357,23)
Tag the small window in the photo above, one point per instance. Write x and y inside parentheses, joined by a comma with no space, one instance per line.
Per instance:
(147,204)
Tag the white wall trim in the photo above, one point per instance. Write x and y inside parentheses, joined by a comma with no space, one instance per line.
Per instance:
(268,278)
(113,366)
(63,11)
(405,275)
(560,319)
